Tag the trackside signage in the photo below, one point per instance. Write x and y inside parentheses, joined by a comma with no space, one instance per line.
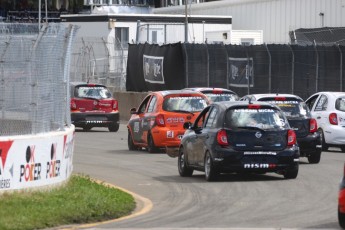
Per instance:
(38,160)
(153,69)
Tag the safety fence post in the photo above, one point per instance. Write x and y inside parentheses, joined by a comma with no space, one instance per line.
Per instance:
(292,71)
(186,63)
(317,69)
(340,70)
(269,70)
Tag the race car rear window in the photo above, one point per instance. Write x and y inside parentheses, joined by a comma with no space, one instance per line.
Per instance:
(180,103)
(291,108)
(340,104)
(264,118)
(97,92)
(221,97)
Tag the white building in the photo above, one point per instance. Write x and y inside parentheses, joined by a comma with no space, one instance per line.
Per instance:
(276,18)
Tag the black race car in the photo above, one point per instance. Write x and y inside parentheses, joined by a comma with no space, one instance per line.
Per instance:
(237,136)
(300,119)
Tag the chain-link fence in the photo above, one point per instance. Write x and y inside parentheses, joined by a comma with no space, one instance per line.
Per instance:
(34,77)
(99,60)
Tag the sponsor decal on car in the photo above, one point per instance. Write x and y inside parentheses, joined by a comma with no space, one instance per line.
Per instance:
(260,153)
(170,134)
(254,111)
(259,166)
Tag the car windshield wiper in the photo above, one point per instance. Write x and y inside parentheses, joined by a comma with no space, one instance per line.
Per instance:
(250,128)
(181,111)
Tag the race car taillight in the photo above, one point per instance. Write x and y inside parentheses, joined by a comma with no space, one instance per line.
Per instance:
(312,125)
(115,104)
(73,104)
(279,98)
(333,119)
(253,106)
(291,139)
(160,120)
(217,91)
(222,138)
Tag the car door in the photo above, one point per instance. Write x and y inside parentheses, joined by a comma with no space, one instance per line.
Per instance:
(136,122)
(195,137)
(205,137)
(319,110)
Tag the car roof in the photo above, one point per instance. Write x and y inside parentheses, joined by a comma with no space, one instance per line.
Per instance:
(74,84)
(266,95)
(182,91)
(335,94)
(210,89)
(228,104)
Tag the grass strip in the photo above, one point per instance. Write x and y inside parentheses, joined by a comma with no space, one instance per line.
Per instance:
(80,200)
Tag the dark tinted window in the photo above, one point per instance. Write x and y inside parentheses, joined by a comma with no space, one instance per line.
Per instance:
(188,103)
(264,118)
(97,92)
(340,104)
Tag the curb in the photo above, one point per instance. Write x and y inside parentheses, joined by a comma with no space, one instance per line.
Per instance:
(143,205)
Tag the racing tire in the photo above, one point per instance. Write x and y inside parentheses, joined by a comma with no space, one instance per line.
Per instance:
(183,168)
(323,142)
(131,145)
(211,173)
(114,127)
(291,173)
(151,147)
(341,219)
(315,157)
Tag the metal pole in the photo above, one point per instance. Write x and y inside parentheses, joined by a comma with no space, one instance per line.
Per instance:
(292,71)
(317,68)
(341,70)
(137,37)
(39,15)
(203,31)
(186,23)
(269,70)
(46,8)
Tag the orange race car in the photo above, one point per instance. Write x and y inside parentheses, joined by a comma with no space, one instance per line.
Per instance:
(158,122)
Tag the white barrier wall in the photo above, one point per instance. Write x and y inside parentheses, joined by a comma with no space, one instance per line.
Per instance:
(36,160)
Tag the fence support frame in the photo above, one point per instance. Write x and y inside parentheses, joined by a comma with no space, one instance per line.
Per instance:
(269,70)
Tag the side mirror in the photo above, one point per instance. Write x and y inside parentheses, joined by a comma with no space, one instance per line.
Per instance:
(133,111)
(187,125)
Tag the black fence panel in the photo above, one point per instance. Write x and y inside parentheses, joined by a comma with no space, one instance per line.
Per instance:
(135,78)
(305,70)
(328,62)
(197,64)
(281,68)
(239,68)
(261,72)
(218,65)
(155,67)
(300,70)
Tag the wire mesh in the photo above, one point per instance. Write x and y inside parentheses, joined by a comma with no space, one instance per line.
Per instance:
(33,81)
(99,60)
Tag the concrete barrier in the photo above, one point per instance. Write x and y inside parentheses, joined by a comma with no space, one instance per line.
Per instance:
(128,100)
(36,161)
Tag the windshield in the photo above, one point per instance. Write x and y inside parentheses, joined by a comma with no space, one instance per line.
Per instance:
(265,118)
(340,104)
(292,108)
(221,97)
(189,104)
(96,92)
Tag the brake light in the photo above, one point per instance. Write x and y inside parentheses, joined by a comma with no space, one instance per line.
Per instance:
(160,120)
(279,98)
(312,125)
(73,104)
(333,119)
(185,95)
(252,106)
(115,105)
(216,91)
(222,138)
(291,137)
(91,85)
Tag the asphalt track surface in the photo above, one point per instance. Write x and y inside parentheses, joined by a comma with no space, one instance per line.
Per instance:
(166,201)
